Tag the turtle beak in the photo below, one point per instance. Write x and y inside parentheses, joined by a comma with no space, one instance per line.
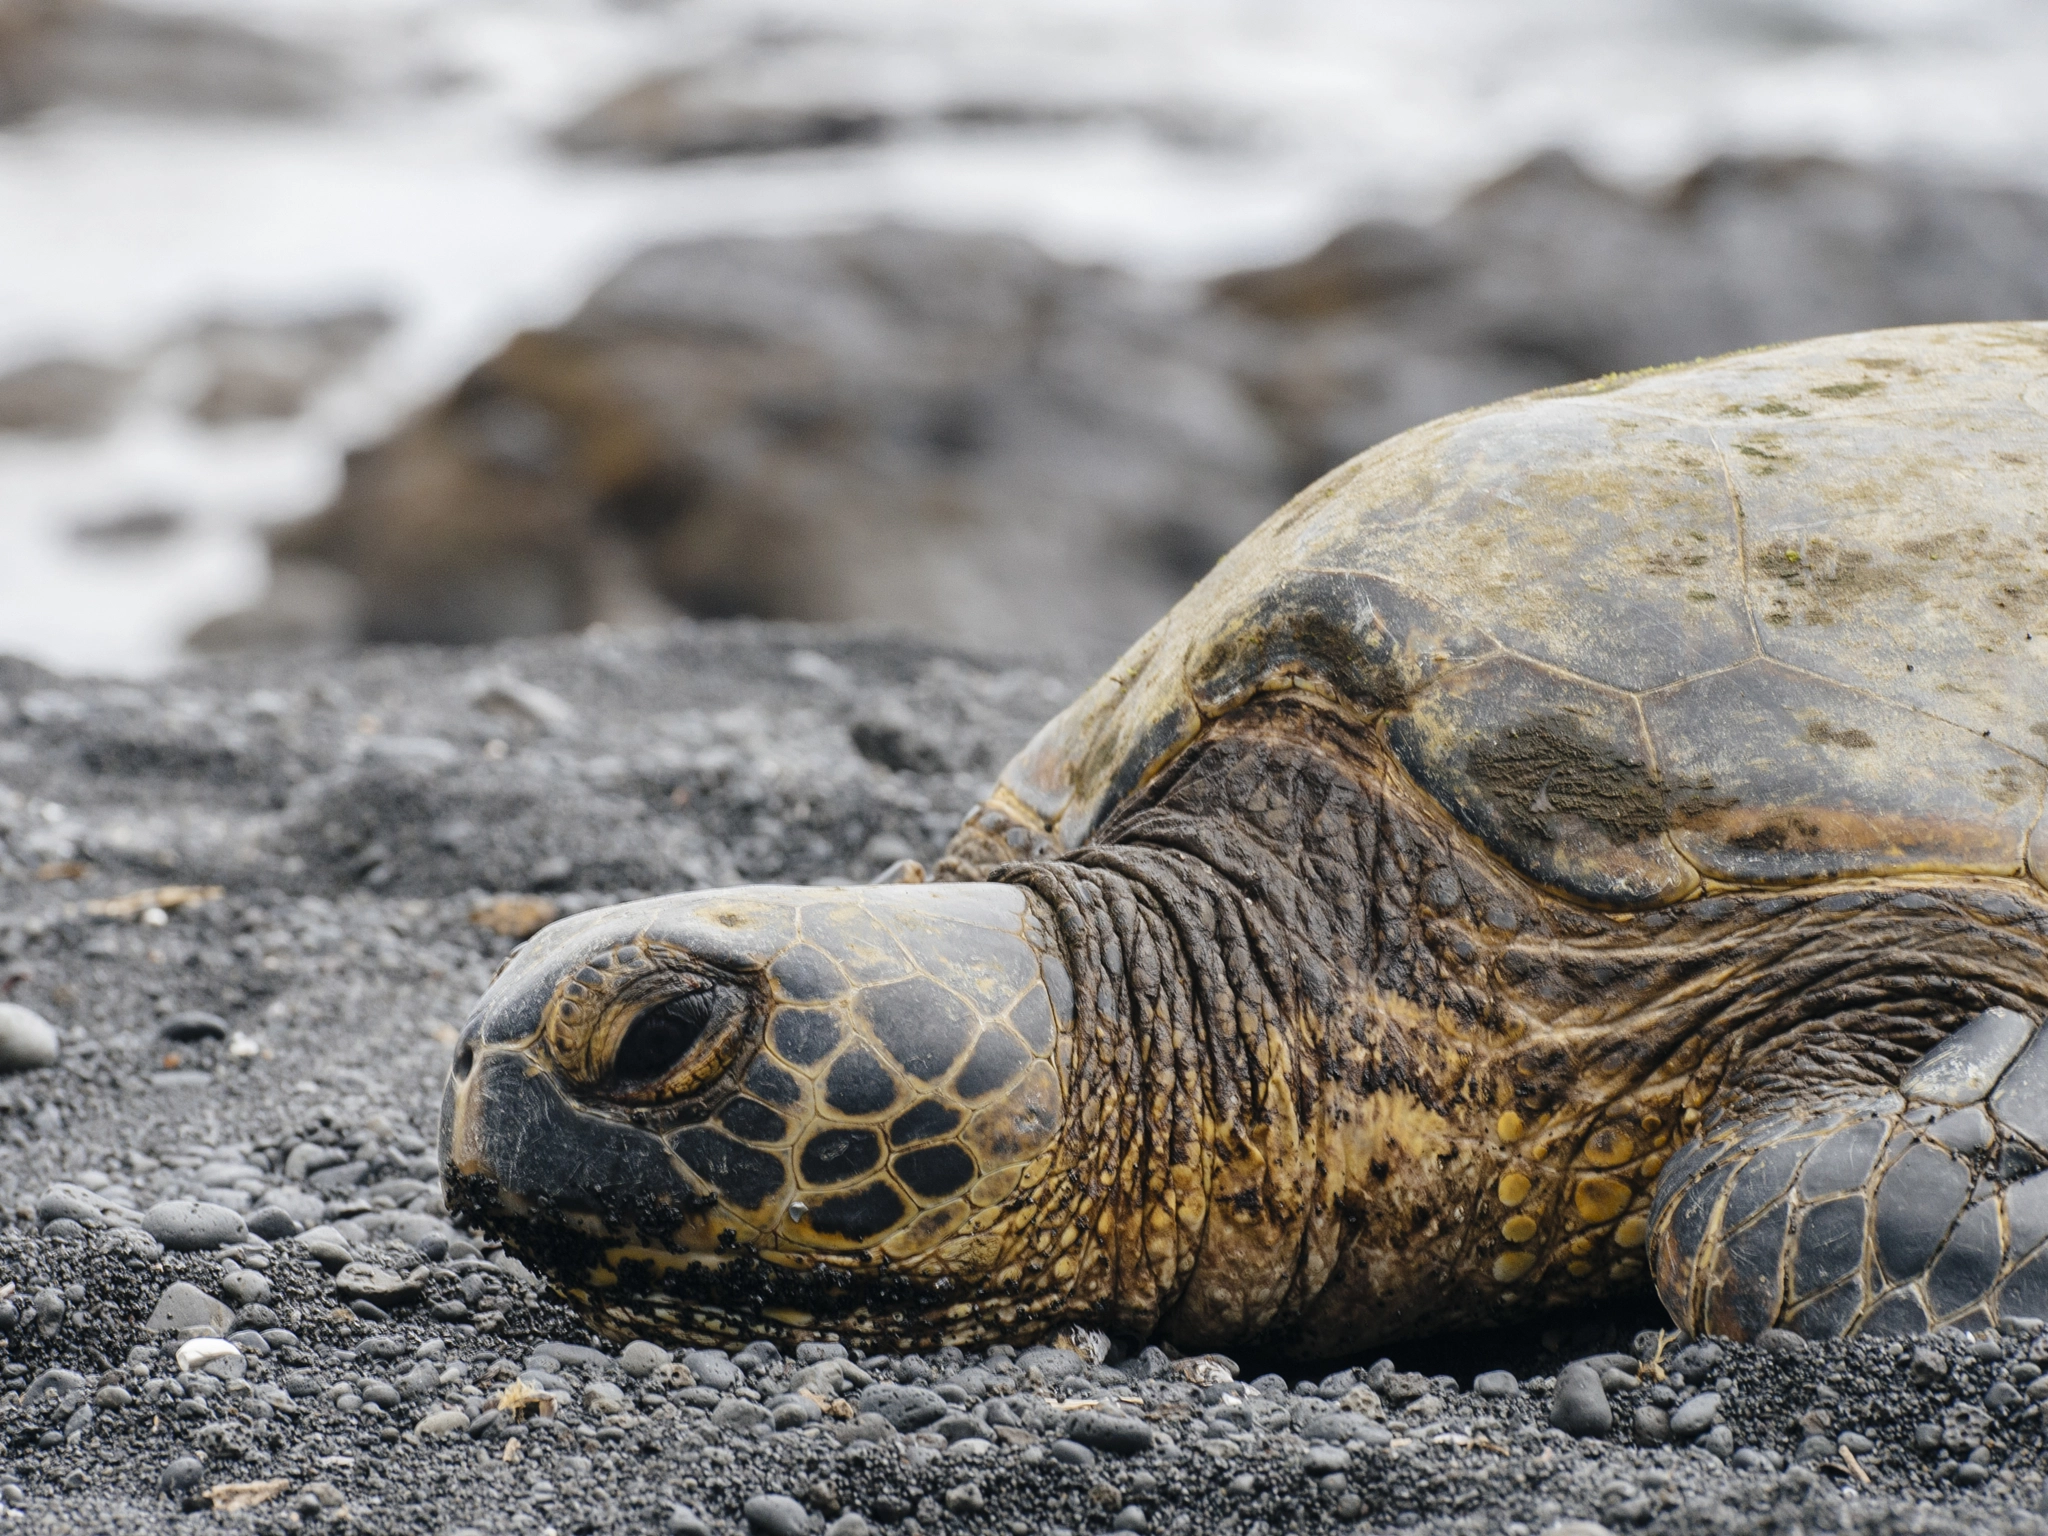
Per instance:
(513,1144)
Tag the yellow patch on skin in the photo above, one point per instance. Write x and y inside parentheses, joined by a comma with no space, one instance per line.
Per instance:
(1509,1127)
(1513,1188)
(1512,1266)
(1609,1147)
(1394,1128)
(1581,1246)
(1579,1269)
(1631,1232)
(1518,1229)
(1653,1165)
(1651,1125)
(1599,1199)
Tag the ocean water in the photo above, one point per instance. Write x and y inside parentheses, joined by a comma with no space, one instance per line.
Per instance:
(1204,134)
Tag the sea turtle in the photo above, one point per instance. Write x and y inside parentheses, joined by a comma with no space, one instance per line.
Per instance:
(1587,841)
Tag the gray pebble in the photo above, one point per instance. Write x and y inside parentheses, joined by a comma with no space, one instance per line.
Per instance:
(55,1382)
(273,1223)
(245,1287)
(1928,1366)
(1130,1518)
(62,1202)
(738,1413)
(683,1521)
(191,1027)
(777,1514)
(1322,1460)
(848,1524)
(191,1226)
(1072,1452)
(1496,1384)
(1110,1432)
(1695,1415)
(1652,1425)
(185,1310)
(1578,1405)
(26,1039)
(181,1475)
(641,1359)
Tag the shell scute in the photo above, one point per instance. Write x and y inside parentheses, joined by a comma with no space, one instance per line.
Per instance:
(1797,778)
(1553,774)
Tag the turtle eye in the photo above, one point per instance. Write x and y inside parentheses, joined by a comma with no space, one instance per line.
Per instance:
(661,1036)
(674,1045)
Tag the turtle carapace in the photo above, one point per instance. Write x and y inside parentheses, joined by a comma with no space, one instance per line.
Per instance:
(1588,842)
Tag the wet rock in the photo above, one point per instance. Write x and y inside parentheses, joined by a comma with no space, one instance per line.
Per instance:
(26,1039)
(1578,1404)
(191,1226)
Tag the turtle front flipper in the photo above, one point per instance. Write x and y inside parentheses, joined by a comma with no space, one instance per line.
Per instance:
(1872,1212)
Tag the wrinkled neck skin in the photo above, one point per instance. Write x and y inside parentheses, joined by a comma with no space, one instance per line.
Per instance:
(1339,1076)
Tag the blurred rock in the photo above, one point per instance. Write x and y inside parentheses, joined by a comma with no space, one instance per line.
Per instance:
(1549,276)
(962,437)
(61,397)
(954,434)
(257,371)
(135,528)
(693,114)
(81,52)
(308,604)
(807,102)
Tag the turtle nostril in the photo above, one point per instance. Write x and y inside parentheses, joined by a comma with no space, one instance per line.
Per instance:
(465,1058)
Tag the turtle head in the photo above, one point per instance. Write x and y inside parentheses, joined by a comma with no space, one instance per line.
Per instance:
(769,1111)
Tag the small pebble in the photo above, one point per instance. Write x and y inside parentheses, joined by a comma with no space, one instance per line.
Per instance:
(447,1421)
(1695,1415)
(1496,1384)
(776,1514)
(641,1359)
(183,1306)
(26,1039)
(198,1354)
(192,1226)
(1578,1405)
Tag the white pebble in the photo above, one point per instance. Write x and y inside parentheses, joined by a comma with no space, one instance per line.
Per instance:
(197,1354)
(26,1039)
